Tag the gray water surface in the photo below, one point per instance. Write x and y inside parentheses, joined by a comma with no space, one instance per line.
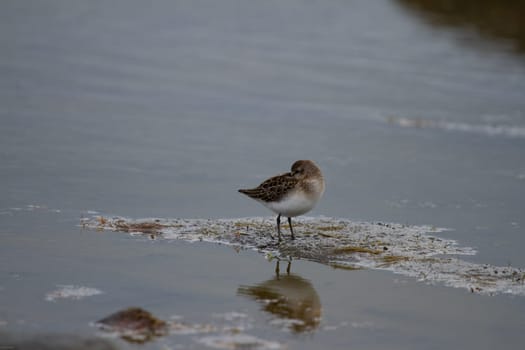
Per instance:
(165,109)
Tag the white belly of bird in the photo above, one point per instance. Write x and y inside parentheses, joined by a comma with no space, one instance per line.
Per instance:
(292,205)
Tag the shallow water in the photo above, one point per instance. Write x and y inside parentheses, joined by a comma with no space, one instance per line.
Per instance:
(165,110)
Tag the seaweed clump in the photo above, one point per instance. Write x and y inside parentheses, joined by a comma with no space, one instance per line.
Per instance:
(134,325)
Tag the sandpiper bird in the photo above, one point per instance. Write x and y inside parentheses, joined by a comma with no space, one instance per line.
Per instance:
(290,194)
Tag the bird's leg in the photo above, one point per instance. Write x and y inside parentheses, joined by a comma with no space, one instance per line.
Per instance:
(291,229)
(277,271)
(288,267)
(279,227)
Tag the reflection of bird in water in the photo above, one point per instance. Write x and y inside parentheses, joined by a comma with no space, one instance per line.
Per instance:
(289,297)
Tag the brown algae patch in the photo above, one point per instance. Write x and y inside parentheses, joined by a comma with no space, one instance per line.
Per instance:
(134,325)
(138,326)
(330,228)
(356,249)
(153,226)
(409,250)
(143,227)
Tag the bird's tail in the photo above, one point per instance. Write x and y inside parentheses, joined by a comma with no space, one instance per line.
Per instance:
(248,192)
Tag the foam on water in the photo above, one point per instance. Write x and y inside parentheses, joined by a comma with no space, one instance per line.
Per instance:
(415,251)
(238,341)
(71,292)
(513,131)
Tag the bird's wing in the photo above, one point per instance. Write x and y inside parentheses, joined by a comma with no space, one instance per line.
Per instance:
(272,189)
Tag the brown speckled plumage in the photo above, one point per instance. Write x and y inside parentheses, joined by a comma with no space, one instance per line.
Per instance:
(273,189)
(290,194)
